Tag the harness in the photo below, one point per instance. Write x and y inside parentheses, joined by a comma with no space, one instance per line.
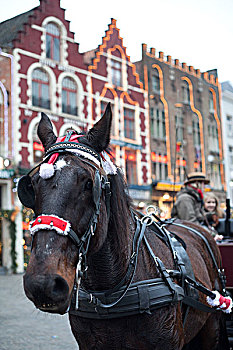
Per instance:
(129,298)
(126,298)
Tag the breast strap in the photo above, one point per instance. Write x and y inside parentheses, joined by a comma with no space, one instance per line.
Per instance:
(143,296)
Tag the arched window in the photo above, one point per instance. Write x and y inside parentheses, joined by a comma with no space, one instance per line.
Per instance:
(116,73)
(52,41)
(40,89)
(69,96)
(155,81)
(185,93)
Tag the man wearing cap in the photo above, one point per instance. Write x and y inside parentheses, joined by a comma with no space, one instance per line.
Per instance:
(189,201)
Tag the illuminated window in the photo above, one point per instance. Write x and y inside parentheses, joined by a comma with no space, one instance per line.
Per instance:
(40,89)
(69,96)
(52,42)
(155,81)
(159,166)
(131,167)
(129,124)
(116,73)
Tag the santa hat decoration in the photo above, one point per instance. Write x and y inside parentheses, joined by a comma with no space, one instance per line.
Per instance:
(222,303)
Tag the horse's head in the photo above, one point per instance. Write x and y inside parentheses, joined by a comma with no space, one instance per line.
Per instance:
(69,195)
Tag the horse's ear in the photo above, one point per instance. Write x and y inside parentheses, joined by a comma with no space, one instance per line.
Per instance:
(99,135)
(45,131)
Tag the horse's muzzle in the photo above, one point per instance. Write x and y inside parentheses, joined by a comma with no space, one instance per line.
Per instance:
(49,293)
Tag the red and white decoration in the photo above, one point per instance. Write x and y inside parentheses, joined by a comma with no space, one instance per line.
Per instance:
(222,303)
(50,222)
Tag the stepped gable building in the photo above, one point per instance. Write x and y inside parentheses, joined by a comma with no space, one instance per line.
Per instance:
(114,79)
(41,69)
(185,124)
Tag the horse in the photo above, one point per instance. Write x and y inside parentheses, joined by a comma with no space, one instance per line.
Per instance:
(84,243)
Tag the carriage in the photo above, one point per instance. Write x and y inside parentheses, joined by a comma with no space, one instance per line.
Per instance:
(127,281)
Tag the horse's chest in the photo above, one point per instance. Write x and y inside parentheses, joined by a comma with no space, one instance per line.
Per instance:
(142,332)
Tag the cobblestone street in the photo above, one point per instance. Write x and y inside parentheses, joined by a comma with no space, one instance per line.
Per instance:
(22,327)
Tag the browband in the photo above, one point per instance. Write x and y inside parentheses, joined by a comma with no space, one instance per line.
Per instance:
(72,145)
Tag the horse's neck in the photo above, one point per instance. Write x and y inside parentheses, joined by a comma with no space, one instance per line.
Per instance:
(108,266)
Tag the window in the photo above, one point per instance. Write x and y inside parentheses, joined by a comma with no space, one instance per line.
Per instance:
(158,125)
(69,96)
(40,89)
(52,42)
(185,94)
(196,133)
(116,73)
(159,166)
(211,102)
(230,149)
(180,168)
(215,177)
(179,120)
(213,137)
(197,145)
(229,126)
(129,124)
(131,169)
(155,81)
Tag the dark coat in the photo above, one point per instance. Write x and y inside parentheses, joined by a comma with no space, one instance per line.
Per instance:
(189,206)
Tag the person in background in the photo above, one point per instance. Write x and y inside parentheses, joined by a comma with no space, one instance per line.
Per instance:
(189,201)
(213,212)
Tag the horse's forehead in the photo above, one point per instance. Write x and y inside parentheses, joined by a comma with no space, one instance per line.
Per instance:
(72,162)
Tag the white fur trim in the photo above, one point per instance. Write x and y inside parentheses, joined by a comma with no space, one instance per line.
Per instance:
(46,170)
(107,164)
(215,301)
(39,227)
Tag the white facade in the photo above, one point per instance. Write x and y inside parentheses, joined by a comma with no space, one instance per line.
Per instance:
(227,122)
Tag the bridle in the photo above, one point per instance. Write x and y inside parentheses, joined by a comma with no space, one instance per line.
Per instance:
(61,226)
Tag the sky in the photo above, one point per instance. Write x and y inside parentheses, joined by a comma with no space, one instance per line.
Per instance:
(197,32)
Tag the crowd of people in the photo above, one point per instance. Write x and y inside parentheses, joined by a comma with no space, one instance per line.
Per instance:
(192,205)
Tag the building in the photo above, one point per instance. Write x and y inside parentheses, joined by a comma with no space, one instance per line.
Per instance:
(185,124)
(227,120)
(43,70)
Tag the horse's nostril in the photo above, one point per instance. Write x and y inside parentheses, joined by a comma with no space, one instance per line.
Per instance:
(60,286)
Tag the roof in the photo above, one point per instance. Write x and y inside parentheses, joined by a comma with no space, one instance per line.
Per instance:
(9,29)
(226,85)
(89,55)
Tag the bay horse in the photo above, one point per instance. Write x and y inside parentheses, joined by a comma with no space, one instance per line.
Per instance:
(83,237)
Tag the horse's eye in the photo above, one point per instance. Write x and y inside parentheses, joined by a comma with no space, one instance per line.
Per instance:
(88,185)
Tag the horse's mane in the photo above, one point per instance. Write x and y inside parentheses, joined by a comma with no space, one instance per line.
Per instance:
(120,202)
